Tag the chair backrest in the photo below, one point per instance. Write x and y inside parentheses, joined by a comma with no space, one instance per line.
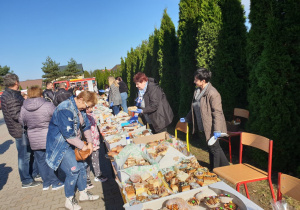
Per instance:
(241,113)
(288,185)
(183,127)
(258,142)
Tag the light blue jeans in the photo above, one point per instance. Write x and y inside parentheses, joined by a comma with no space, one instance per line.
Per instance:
(75,173)
(124,101)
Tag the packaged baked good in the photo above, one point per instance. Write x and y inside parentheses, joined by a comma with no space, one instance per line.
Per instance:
(135,178)
(225,198)
(205,193)
(184,186)
(176,204)
(230,206)
(212,201)
(193,201)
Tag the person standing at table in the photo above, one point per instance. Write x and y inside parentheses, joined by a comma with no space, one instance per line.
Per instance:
(207,116)
(123,91)
(152,103)
(68,122)
(114,99)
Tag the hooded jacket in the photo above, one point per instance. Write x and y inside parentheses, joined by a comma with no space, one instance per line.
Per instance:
(157,106)
(11,102)
(36,114)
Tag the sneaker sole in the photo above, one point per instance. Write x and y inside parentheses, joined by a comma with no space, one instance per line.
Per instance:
(30,186)
(57,188)
(98,180)
(82,201)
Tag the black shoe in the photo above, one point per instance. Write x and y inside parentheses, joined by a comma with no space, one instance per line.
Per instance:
(100,178)
(32,184)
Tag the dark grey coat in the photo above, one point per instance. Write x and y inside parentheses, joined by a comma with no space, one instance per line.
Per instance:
(36,113)
(157,106)
(11,101)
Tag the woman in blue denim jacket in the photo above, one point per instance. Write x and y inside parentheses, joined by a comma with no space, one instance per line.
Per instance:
(63,137)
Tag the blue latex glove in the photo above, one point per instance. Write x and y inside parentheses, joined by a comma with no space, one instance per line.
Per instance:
(138,111)
(107,99)
(217,134)
(102,91)
(111,104)
(182,119)
(133,119)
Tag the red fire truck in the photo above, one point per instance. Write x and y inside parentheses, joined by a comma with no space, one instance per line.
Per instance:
(84,83)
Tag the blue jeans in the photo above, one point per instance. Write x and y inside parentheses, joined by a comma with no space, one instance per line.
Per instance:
(24,152)
(116,109)
(75,173)
(124,101)
(47,173)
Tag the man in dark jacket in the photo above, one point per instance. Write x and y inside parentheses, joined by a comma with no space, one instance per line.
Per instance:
(48,93)
(153,103)
(12,101)
(61,95)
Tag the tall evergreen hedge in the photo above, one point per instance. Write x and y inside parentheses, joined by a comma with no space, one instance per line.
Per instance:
(277,72)
(187,33)
(230,75)
(168,61)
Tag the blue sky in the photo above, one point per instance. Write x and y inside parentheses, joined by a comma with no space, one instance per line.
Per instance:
(96,33)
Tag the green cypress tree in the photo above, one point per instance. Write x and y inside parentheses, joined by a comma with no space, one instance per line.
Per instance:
(277,75)
(230,75)
(168,61)
(209,26)
(259,10)
(154,61)
(51,70)
(187,33)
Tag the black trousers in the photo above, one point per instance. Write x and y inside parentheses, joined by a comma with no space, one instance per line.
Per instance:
(217,157)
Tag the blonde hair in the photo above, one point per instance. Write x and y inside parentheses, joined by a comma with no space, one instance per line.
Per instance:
(88,96)
(34,92)
(112,80)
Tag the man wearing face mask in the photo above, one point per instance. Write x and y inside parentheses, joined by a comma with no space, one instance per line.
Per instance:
(152,103)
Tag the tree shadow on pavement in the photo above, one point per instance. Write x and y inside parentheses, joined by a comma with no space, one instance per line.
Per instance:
(112,196)
(5,146)
(4,171)
(2,121)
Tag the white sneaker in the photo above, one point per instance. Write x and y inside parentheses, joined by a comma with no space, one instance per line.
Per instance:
(46,188)
(87,196)
(72,204)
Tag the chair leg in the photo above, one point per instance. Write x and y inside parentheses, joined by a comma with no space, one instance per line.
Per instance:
(229,146)
(246,189)
(238,187)
(272,190)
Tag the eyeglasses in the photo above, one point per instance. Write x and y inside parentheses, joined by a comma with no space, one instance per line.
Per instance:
(87,106)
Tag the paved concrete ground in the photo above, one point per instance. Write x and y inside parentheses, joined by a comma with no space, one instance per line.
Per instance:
(12,196)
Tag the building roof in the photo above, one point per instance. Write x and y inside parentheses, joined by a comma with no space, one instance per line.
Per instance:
(62,68)
(116,67)
(28,83)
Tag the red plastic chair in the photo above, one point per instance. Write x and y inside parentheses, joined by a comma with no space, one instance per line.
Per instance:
(237,112)
(288,185)
(244,173)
